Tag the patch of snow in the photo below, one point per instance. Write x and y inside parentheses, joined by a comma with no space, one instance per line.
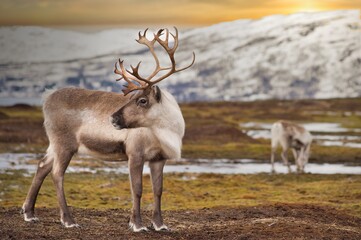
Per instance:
(13,161)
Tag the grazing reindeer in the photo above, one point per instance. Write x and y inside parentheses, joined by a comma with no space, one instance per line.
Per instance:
(147,126)
(296,137)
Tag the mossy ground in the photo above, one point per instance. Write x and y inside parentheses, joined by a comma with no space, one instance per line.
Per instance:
(192,191)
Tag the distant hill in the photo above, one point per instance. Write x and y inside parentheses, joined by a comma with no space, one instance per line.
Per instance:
(304,55)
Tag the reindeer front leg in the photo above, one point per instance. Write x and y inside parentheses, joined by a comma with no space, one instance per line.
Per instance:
(300,161)
(136,164)
(285,160)
(61,162)
(156,171)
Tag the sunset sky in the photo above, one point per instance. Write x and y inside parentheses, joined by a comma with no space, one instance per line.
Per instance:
(153,12)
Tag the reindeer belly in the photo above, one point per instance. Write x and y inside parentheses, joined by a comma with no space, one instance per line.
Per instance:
(102,148)
(97,137)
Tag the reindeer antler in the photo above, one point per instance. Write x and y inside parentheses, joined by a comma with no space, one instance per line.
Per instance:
(146,83)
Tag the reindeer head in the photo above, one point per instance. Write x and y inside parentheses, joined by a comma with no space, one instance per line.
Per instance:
(149,104)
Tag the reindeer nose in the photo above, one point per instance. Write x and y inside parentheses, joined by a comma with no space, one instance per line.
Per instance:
(117,121)
(114,120)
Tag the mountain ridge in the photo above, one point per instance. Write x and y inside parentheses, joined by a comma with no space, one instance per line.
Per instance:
(303,55)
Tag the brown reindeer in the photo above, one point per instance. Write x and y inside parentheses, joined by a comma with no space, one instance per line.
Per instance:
(146,125)
(294,136)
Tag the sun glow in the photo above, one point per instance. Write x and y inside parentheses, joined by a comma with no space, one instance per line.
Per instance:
(308,10)
(137,12)
(308,6)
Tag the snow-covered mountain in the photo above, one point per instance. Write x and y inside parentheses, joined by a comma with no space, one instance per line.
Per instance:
(304,55)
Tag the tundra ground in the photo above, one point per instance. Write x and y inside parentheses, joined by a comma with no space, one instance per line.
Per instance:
(278,221)
(198,206)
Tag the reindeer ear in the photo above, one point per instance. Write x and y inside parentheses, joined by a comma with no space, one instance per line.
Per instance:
(157,94)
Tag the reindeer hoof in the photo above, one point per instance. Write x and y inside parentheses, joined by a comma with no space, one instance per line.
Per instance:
(162,228)
(137,229)
(69,225)
(29,217)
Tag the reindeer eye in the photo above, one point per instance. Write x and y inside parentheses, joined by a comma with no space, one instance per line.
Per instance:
(143,102)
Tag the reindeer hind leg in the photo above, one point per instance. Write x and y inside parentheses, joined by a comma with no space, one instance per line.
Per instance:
(44,167)
(273,152)
(274,146)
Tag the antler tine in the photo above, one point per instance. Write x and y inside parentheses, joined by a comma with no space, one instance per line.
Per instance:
(190,65)
(163,43)
(175,44)
(141,36)
(122,71)
(135,73)
(144,40)
(128,78)
(116,71)
(145,32)
(134,69)
(159,33)
(166,36)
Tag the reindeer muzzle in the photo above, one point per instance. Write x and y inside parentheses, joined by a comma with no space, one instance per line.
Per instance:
(118,122)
